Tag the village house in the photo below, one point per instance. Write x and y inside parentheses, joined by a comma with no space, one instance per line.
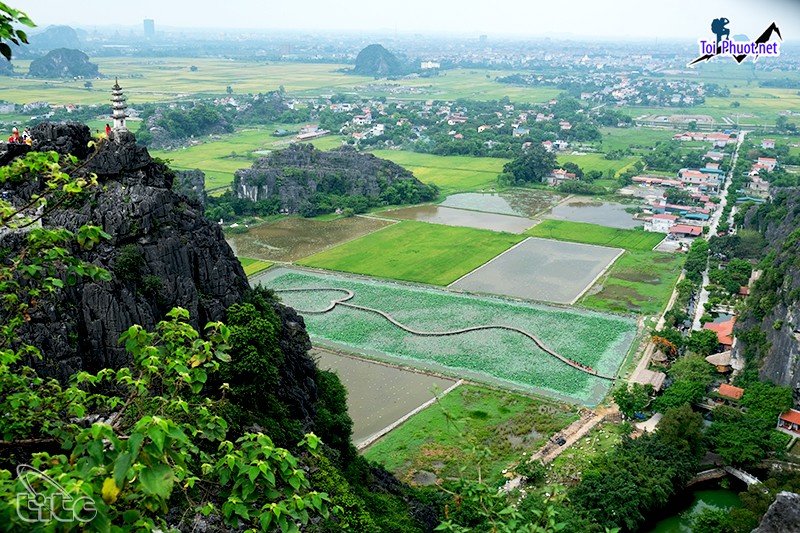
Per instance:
(660,223)
(558,176)
(520,131)
(456,118)
(789,422)
(560,144)
(564,125)
(768,162)
(721,361)
(714,156)
(767,144)
(650,181)
(758,186)
(483,128)
(548,145)
(724,331)
(730,393)
(362,120)
(685,231)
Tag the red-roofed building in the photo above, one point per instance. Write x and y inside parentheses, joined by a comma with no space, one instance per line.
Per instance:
(744,290)
(789,422)
(724,331)
(767,144)
(730,392)
(768,162)
(684,230)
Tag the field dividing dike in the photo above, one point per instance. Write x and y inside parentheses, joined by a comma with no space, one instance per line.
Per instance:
(369,441)
(350,294)
(487,262)
(601,274)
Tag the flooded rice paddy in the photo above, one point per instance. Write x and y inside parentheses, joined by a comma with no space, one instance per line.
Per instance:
(290,239)
(608,214)
(378,395)
(517,202)
(460,217)
(541,269)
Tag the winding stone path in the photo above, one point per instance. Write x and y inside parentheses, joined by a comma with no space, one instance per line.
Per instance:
(350,294)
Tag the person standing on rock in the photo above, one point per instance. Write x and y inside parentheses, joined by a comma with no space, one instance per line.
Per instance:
(26,136)
(14,137)
(108,130)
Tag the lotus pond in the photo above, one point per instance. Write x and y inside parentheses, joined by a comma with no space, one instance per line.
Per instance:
(499,357)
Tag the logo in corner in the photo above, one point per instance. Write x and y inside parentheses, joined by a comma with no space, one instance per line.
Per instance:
(45,501)
(739,50)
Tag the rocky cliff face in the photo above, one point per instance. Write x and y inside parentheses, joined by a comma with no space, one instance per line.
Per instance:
(783,516)
(300,171)
(773,306)
(64,63)
(191,183)
(162,254)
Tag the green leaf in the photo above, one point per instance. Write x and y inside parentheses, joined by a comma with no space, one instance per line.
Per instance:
(157,480)
(157,435)
(121,466)
(135,444)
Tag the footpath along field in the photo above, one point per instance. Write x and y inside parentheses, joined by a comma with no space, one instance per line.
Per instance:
(501,357)
(416,251)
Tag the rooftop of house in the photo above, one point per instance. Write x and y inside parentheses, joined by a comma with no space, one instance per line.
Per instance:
(724,330)
(792,416)
(729,391)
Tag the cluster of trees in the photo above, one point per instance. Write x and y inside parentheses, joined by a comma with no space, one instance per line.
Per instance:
(530,167)
(270,107)
(637,478)
(179,124)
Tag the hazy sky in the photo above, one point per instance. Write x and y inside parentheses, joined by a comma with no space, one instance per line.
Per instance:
(663,19)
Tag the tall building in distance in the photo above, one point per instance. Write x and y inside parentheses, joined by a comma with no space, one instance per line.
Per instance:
(149,28)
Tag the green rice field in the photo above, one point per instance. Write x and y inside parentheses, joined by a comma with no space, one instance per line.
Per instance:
(253,266)
(416,251)
(449,173)
(500,357)
(627,239)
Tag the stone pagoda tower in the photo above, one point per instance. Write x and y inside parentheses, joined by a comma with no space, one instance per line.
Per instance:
(119,106)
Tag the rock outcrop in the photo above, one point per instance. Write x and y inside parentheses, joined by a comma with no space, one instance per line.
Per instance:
(783,516)
(192,183)
(55,37)
(375,60)
(300,171)
(64,63)
(162,253)
(772,307)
